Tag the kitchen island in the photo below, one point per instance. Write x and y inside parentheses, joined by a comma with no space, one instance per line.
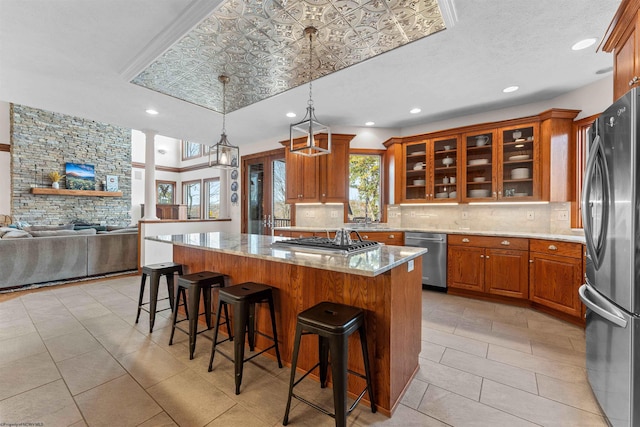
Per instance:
(385,282)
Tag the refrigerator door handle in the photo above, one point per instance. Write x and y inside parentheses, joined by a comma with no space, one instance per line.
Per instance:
(609,313)
(595,250)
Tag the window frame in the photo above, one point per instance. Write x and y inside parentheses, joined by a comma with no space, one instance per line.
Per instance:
(184,196)
(382,185)
(206,205)
(184,151)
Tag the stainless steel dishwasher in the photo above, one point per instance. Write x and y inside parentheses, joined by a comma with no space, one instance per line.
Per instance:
(434,262)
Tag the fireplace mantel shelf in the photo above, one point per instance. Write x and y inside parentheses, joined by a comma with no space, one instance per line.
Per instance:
(63,192)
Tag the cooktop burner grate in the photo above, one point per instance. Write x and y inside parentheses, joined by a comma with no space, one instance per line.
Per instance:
(326,244)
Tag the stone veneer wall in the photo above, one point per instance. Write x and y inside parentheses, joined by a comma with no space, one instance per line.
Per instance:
(43,141)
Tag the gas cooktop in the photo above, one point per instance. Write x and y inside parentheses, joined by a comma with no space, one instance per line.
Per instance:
(325,244)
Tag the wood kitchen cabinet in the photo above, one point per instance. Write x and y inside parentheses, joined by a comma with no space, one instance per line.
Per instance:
(387,237)
(430,170)
(490,265)
(324,178)
(526,159)
(556,272)
(623,40)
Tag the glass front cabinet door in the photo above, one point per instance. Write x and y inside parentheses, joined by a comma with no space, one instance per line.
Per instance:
(444,173)
(479,152)
(518,161)
(415,175)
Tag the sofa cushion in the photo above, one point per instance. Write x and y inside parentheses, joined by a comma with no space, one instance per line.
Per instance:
(48,227)
(124,230)
(14,234)
(53,233)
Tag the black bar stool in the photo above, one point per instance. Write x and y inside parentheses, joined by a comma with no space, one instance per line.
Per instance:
(243,298)
(196,283)
(333,323)
(166,269)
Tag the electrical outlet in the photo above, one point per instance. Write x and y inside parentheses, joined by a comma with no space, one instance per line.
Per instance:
(334,214)
(413,213)
(410,266)
(465,215)
(309,214)
(531,215)
(563,216)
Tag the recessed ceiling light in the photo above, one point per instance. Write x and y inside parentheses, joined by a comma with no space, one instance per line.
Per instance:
(151,112)
(415,110)
(369,123)
(583,44)
(291,115)
(510,89)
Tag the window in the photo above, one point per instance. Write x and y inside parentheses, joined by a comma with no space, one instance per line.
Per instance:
(212,199)
(191,150)
(191,197)
(165,191)
(365,187)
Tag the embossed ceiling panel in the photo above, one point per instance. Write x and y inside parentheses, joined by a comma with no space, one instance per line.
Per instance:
(261,45)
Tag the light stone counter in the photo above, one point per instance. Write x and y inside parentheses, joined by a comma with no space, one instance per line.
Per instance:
(574,238)
(369,263)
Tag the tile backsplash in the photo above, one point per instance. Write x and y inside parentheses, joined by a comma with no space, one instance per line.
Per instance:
(548,218)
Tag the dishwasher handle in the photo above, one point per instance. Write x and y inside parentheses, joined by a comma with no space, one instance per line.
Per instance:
(426,239)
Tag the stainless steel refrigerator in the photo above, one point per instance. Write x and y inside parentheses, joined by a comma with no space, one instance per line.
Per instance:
(611,219)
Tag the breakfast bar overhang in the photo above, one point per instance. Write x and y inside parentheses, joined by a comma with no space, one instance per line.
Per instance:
(385,281)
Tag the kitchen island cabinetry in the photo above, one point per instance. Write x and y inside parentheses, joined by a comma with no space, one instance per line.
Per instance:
(322,178)
(386,282)
(490,265)
(556,274)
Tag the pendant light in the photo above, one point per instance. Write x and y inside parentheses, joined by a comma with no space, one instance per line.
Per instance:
(304,138)
(224,155)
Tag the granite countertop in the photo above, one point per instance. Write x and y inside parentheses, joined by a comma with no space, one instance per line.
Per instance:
(369,263)
(574,238)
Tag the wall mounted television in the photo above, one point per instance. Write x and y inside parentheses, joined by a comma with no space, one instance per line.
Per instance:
(80,176)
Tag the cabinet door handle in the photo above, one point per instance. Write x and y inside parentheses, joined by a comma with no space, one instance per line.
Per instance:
(365,237)
(634,80)
(482,256)
(465,240)
(505,243)
(553,248)
(392,236)
(487,256)
(531,261)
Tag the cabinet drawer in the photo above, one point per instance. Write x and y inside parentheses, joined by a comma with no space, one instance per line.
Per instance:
(488,241)
(553,247)
(386,237)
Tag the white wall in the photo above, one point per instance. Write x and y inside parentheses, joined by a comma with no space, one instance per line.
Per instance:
(5,161)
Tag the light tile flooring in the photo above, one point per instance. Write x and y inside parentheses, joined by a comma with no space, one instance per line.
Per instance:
(73,356)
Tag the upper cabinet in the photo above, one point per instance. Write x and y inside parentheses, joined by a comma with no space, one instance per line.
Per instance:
(623,40)
(430,170)
(526,159)
(322,178)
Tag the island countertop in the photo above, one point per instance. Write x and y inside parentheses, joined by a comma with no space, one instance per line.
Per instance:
(369,263)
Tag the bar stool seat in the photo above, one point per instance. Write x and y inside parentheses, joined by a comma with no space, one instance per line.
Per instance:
(243,298)
(155,271)
(196,284)
(333,323)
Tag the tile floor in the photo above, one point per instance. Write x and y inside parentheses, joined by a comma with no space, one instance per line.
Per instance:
(73,356)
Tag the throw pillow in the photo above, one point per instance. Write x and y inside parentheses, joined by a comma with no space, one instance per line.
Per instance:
(16,234)
(49,227)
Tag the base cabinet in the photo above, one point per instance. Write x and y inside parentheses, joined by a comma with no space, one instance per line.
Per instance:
(481,264)
(556,275)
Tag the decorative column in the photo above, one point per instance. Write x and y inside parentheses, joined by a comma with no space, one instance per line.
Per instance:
(150,175)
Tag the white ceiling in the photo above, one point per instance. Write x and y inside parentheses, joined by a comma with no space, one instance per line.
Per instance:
(72,57)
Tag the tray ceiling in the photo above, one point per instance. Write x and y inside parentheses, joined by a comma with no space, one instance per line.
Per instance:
(260,45)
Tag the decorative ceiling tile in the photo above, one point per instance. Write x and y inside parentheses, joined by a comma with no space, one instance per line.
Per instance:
(261,46)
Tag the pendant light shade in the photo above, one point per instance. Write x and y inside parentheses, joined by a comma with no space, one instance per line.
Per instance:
(224,155)
(309,137)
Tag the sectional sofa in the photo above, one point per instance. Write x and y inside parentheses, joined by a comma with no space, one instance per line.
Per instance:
(37,256)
